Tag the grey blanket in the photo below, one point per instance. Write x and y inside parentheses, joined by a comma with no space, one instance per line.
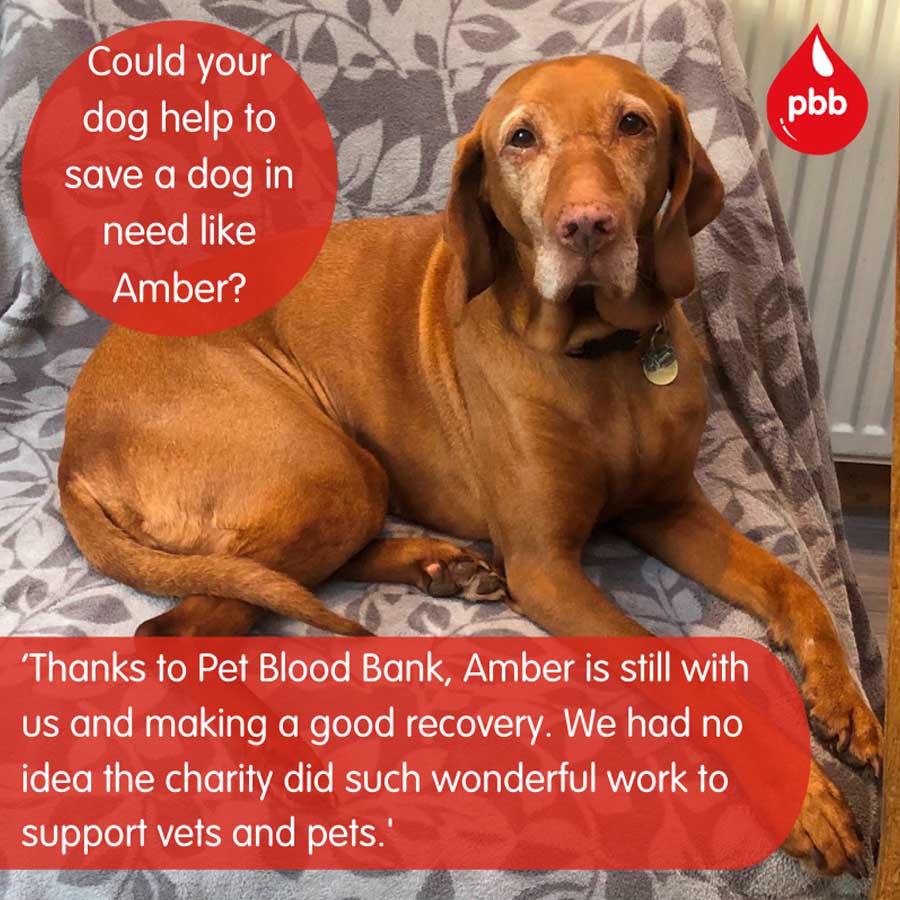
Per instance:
(399,80)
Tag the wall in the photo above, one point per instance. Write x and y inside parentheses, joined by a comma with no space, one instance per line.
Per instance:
(841,208)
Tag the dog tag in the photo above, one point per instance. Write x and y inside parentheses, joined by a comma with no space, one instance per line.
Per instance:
(659,362)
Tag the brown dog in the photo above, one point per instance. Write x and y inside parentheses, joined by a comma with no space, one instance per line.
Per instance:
(480,374)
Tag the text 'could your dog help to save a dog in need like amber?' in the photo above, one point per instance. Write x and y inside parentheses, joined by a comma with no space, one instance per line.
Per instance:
(179,178)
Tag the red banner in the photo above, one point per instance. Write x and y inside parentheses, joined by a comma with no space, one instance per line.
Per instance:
(397,753)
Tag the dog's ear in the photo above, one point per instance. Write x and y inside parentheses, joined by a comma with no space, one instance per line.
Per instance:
(695,199)
(467,229)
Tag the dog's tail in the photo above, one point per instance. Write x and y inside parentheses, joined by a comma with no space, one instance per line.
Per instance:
(116,553)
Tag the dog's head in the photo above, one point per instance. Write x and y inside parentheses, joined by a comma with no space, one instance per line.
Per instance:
(574,159)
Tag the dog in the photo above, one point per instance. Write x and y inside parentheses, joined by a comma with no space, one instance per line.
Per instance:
(501,372)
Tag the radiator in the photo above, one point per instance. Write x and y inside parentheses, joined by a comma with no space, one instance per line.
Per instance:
(841,209)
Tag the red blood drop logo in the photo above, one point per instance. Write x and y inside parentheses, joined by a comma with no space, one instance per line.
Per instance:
(816,104)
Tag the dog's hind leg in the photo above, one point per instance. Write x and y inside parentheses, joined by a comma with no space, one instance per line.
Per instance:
(262,534)
(202,616)
(434,566)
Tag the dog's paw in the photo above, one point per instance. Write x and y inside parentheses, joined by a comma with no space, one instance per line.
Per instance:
(464,575)
(825,836)
(843,719)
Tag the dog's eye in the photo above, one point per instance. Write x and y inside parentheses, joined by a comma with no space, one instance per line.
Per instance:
(522,138)
(631,124)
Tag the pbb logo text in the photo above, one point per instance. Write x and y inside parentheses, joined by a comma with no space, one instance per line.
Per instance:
(816,104)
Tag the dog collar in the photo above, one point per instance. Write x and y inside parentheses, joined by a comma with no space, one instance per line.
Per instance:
(623,339)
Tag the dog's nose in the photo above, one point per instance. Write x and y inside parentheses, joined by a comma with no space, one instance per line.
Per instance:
(583,227)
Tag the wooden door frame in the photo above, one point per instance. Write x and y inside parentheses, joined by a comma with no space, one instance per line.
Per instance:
(887,879)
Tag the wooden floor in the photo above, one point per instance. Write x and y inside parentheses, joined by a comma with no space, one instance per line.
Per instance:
(866,500)
(869,539)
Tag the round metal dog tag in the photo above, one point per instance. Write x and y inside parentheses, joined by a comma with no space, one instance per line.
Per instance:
(661,367)
(660,364)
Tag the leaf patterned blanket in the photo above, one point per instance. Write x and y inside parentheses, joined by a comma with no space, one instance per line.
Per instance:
(399,80)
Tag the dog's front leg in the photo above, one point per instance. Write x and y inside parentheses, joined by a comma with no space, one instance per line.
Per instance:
(696,540)
(539,535)
(552,590)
